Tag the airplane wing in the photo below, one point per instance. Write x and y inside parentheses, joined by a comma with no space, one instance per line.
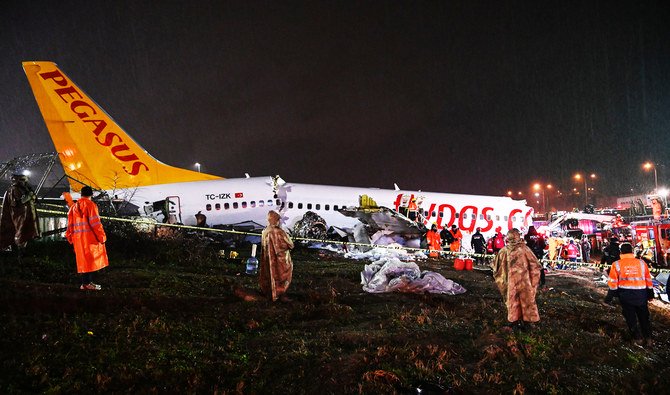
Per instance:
(383,218)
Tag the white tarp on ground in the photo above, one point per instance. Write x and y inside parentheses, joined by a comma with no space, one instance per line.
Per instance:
(392,275)
(380,253)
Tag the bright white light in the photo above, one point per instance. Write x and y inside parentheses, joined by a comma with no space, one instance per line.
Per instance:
(663,192)
(26,172)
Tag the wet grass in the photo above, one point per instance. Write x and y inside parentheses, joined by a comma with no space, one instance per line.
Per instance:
(167,321)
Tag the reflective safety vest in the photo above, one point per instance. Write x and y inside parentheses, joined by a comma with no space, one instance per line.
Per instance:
(85,233)
(573,251)
(433,239)
(456,244)
(629,273)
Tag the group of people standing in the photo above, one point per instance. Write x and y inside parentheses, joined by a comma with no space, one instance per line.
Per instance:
(85,232)
(450,239)
(517,270)
(518,274)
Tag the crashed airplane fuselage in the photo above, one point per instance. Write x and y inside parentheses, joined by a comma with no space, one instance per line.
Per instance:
(94,150)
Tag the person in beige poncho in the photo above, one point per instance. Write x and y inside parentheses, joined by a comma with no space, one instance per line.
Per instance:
(517,273)
(18,218)
(276,267)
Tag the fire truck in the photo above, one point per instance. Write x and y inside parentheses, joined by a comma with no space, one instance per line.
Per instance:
(652,241)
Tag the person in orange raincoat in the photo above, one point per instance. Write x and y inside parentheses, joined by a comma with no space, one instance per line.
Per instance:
(434,241)
(276,266)
(457,235)
(85,233)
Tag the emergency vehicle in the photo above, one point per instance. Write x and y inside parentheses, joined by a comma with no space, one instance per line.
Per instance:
(652,240)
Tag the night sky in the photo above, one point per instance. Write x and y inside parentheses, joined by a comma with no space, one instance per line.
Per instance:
(465,97)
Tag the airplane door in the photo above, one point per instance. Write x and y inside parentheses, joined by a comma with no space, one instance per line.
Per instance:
(173,205)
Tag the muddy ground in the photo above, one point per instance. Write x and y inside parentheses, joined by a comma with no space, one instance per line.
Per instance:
(167,321)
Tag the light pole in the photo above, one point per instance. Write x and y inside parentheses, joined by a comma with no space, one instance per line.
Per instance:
(545,200)
(197,166)
(586,188)
(538,188)
(648,166)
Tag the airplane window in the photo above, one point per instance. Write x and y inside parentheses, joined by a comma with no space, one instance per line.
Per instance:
(497,218)
(335,207)
(217,206)
(299,205)
(433,214)
(252,203)
(441,214)
(318,206)
(488,217)
(269,203)
(327,207)
(456,215)
(481,216)
(505,218)
(309,206)
(208,207)
(290,204)
(226,206)
(244,204)
(261,203)
(235,205)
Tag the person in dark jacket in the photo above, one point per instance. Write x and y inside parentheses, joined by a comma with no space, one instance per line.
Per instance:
(610,254)
(536,243)
(586,249)
(446,237)
(478,244)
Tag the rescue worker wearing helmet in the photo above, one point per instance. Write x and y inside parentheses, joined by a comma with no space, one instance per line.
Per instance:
(434,241)
(455,245)
(478,244)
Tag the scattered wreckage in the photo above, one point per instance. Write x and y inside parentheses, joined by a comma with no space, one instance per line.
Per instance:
(377,225)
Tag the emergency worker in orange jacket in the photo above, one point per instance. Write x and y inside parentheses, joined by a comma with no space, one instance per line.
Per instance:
(412,209)
(457,235)
(85,233)
(434,241)
(630,281)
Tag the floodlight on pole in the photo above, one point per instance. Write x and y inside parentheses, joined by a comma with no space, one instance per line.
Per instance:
(647,166)
(586,188)
(545,200)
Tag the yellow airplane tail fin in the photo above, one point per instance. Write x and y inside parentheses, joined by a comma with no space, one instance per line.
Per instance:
(92,147)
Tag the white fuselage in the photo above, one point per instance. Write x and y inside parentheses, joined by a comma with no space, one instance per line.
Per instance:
(236,200)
